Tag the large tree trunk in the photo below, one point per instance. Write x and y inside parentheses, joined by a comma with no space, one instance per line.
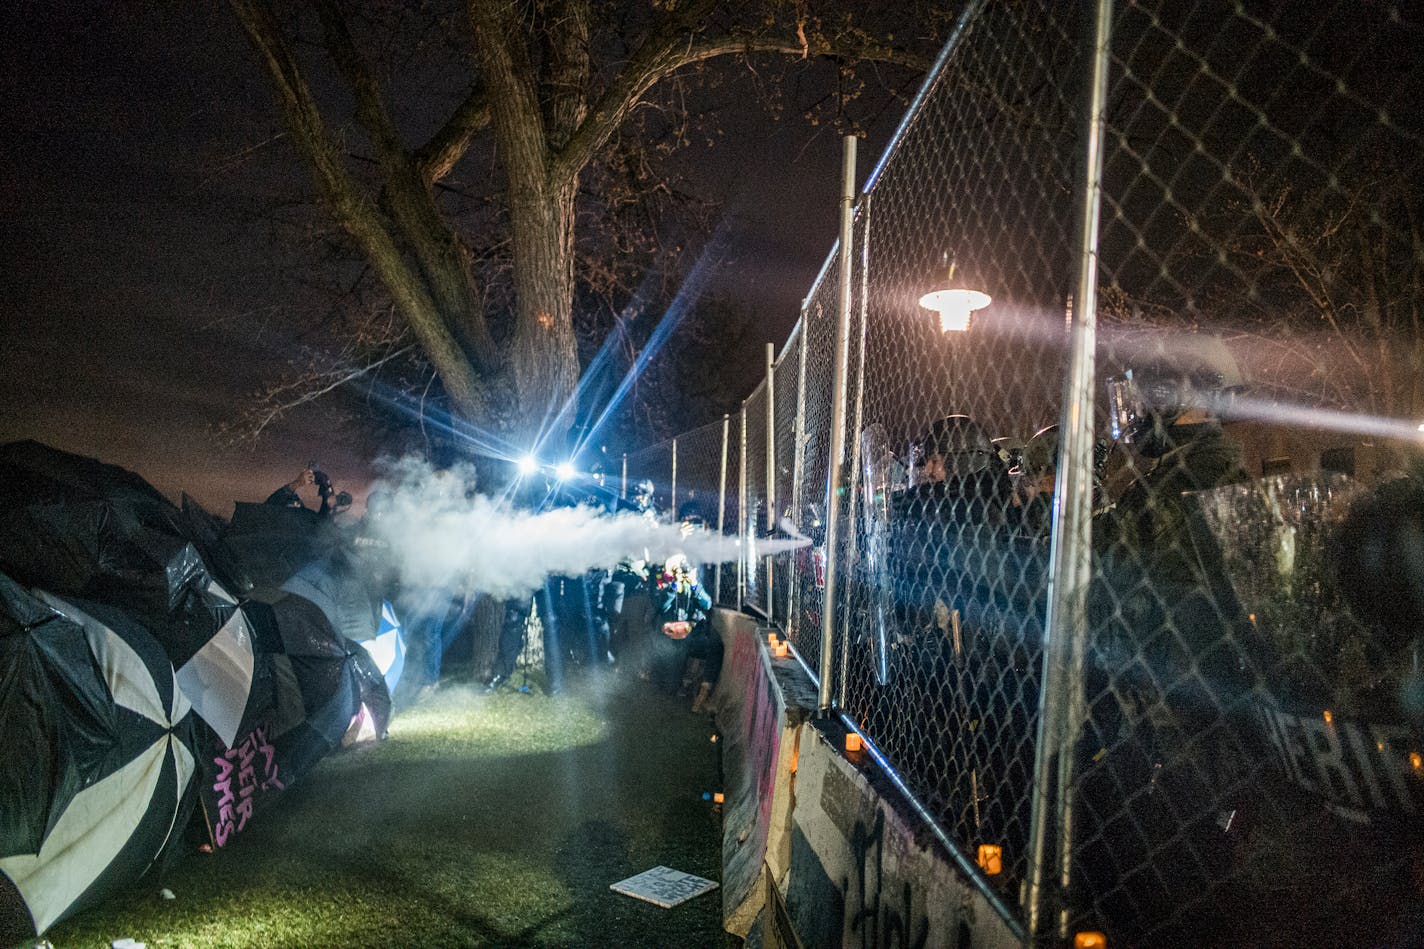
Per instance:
(544,360)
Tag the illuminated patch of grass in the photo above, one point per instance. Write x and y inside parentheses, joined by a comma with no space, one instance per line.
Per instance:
(483,820)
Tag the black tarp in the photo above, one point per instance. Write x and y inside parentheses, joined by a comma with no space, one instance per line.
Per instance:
(78,527)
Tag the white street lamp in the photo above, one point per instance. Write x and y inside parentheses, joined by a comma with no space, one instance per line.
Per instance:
(955,305)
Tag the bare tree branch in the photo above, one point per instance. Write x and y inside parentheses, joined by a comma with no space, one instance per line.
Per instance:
(674,46)
(438,156)
(275,403)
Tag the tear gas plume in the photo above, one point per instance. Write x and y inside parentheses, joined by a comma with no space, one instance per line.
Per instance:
(438,533)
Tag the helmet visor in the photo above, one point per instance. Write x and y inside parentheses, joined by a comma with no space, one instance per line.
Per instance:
(1126,408)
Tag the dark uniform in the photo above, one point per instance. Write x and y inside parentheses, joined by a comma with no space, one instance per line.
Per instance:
(957,704)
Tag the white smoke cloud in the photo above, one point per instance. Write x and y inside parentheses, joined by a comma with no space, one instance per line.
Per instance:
(437,535)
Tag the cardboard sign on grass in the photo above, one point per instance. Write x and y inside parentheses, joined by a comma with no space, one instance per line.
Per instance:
(664,886)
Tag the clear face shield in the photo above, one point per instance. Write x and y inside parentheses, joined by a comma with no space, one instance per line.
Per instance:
(1141,398)
(916,467)
(1125,406)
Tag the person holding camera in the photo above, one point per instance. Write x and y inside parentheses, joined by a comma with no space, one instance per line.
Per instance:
(332,501)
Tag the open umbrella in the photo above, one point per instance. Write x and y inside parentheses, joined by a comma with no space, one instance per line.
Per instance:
(98,801)
(345,594)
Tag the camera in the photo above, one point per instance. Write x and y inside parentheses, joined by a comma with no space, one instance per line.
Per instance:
(322,479)
(338,501)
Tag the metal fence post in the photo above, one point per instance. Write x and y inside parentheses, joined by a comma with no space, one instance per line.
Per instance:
(770,473)
(623,491)
(673,506)
(743,521)
(857,420)
(838,422)
(798,467)
(721,504)
(1070,564)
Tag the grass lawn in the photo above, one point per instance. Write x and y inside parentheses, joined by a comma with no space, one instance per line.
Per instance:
(482,821)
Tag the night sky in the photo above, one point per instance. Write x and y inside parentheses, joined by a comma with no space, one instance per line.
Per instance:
(142,302)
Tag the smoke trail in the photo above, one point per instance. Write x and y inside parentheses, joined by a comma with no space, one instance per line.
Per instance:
(439,534)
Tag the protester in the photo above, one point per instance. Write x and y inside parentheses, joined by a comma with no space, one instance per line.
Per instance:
(680,607)
(332,501)
(288,495)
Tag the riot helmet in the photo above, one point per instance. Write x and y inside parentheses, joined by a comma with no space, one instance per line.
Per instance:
(961,445)
(1040,455)
(1164,380)
(690,512)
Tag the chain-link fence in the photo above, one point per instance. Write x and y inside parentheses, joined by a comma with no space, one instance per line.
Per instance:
(1127,582)
(651,469)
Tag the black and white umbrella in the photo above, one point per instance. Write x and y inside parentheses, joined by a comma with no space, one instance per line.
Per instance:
(107,783)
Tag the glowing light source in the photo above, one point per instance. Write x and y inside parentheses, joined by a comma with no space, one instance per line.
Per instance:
(991,859)
(565,470)
(1329,717)
(955,306)
(1090,940)
(781,650)
(854,742)
(1415,760)
(528,465)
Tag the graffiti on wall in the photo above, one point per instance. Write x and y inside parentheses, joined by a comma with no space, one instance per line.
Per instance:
(881,910)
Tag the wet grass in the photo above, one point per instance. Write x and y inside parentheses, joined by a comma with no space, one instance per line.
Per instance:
(483,821)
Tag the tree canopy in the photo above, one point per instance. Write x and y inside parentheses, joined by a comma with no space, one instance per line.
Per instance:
(547,127)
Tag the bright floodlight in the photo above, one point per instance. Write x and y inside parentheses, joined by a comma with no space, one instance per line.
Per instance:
(528,465)
(954,307)
(565,470)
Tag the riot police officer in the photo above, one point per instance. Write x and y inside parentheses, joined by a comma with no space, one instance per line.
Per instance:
(532,493)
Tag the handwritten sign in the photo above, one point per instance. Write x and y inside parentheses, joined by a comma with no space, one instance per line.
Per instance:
(237,782)
(664,886)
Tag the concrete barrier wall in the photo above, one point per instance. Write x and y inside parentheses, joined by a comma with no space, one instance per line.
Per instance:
(758,749)
(850,863)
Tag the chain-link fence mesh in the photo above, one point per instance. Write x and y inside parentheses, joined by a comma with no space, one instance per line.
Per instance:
(652,465)
(818,322)
(786,396)
(947,600)
(754,514)
(1244,772)
(699,474)
(725,575)
(1233,755)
